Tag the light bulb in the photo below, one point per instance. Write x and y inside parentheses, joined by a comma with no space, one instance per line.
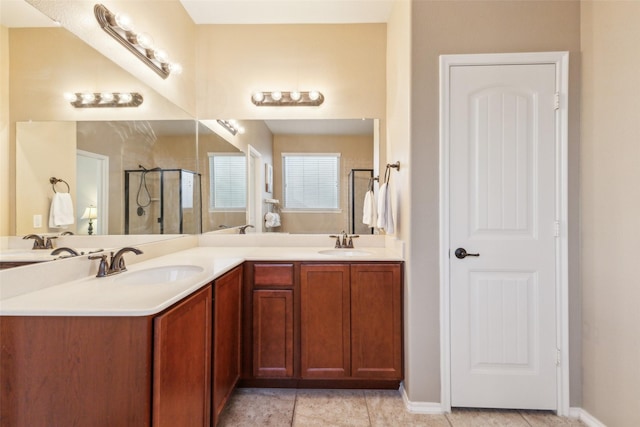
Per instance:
(161,55)
(276,96)
(88,97)
(314,95)
(125,98)
(295,95)
(106,97)
(258,96)
(71,97)
(175,68)
(123,21)
(144,40)
(241,130)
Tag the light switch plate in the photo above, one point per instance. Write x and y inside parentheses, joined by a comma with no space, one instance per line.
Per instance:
(37,221)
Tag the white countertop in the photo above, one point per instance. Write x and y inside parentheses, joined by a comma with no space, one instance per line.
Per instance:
(107,296)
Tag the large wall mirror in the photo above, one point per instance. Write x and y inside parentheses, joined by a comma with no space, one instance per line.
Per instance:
(156,169)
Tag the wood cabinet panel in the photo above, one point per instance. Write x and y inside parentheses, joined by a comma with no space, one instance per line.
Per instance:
(273,333)
(325,321)
(182,363)
(226,338)
(75,371)
(273,274)
(376,321)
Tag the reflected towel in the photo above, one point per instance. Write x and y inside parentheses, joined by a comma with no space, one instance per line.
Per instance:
(272,220)
(385,214)
(369,209)
(61,212)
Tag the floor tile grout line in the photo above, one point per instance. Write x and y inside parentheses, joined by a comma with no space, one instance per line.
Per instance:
(446,417)
(525,419)
(295,403)
(366,403)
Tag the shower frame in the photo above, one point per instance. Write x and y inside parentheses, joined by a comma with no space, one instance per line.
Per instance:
(161,218)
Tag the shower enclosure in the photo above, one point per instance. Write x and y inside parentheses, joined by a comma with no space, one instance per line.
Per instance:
(359,180)
(162,201)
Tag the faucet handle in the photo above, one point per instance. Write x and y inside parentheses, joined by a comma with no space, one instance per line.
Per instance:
(338,244)
(103,267)
(351,237)
(48,242)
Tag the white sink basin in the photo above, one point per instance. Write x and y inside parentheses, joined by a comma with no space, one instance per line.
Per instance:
(344,252)
(158,275)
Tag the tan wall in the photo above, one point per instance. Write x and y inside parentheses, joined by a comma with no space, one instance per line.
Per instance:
(34,192)
(356,153)
(455,27)
(345,62)
(610,204)
(7,172)
(169,25)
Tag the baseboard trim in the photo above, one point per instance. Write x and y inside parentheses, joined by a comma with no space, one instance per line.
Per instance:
(420,407)
(585,417)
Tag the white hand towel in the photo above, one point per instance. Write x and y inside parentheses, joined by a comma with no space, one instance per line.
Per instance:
(61,212)
(369,210)
(385,212)
(272,220)
(382,207)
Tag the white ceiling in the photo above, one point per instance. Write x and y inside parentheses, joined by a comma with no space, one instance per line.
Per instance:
(19,13)
(288,11)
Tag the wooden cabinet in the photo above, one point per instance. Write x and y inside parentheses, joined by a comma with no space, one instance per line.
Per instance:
(325,321)
(108,371)
(270,321)
(273,333)
(323,325)
(226,338)
(376,321)
(181,363)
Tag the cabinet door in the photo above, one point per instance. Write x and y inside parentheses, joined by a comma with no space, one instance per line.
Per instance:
(226,338)
(376,321)
(272,333)
(182,361)
(325,321)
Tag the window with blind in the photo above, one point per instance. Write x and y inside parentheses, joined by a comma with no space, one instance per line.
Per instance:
(227,181)
(311,181)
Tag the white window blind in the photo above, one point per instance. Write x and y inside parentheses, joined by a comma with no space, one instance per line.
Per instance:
(227,181)
(311,181)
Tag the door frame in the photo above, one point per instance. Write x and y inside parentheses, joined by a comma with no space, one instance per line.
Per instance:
(103,191)
(561,61)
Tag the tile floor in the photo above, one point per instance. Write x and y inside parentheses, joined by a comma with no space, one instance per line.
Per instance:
(253,407)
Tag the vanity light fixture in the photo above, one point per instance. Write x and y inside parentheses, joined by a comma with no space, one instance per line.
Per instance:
(232,126)
(140,44)
(104,99)
(294,98)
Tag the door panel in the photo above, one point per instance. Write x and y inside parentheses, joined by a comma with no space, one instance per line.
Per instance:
(502,207)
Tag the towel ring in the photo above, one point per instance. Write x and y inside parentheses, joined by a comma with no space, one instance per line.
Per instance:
(53,180)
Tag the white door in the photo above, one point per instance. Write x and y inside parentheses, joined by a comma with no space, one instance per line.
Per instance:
(502,207)
(92,174)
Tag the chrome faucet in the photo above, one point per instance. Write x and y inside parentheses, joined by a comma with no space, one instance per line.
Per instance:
(243,229)
(344,240)
(116,264)
(58,251)
(41,242)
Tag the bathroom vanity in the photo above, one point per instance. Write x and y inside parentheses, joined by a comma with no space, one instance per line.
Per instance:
(166,342)
(323,324)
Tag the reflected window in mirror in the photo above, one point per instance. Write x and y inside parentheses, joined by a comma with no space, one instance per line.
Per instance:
(311,182)
(228,182)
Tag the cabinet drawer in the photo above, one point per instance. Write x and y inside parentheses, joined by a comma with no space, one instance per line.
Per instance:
(273,274)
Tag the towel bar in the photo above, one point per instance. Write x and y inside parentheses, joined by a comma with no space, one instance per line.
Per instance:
(53,180)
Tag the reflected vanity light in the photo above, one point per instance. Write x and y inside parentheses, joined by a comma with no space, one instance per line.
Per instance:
(232,126)
(294,98)
(120,27)
(104,99)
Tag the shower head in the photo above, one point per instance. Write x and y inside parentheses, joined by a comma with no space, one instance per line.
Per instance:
(142,167)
